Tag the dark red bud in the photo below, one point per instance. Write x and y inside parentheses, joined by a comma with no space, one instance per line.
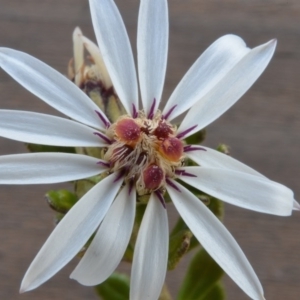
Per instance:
(128,131)
(171,149)
(153,177)
(163,130)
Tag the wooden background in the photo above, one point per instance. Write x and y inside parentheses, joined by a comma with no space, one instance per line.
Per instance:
(262,129)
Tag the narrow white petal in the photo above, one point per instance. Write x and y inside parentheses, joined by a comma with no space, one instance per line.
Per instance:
(296,205)
(93,49)
(151,253)
(152,47)
(71,233)
(216,240)
(229,89)
(109,245)
(78,52)
(214,159)
(116,51)
(30,127)
(206,72)
(242,189)
(39,168)
(50,86)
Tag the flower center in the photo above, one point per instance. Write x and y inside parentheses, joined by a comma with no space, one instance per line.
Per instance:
(145,150)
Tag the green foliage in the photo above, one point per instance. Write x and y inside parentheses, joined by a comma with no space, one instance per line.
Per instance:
(217,292)
(178,247)
(223,148)
(201,279)
(44,148)
(61,201)
(196,138)
(116,287)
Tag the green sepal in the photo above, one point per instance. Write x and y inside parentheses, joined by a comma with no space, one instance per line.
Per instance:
(178,246)
(116,287)
(61,201)
(202,275)
(196,138)
(44,148)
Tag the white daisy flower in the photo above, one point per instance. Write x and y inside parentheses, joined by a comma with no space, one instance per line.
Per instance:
(145,153)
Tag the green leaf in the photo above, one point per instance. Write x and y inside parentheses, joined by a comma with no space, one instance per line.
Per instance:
(61,200)
(178,247)
(44,148)
(217,292)
(196,138)
(116,287)
(202,275)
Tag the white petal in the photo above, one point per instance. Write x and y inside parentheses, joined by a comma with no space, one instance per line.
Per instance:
(152,47)
(39,168)
(44,129)
(93,49)
(116,51)
(242,189)
(216,240)
(109,245)
(206,72)
(214,159)
(50,86)
(229,89)
(71,233)
(296,205)
(151,253)
(78,52)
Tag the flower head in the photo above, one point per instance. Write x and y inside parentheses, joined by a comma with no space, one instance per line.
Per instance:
(144,152)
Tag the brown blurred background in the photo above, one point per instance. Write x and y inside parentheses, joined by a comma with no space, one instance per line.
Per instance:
(262,129)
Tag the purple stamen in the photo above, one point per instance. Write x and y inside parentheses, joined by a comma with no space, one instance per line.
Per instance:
(102,163)
(130,187)
(151,113)
(103,119)
(173,185)
(161,198)
(182,134)
(103,137)
(167,115)
(120,175)
(134,111)
(192,148)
